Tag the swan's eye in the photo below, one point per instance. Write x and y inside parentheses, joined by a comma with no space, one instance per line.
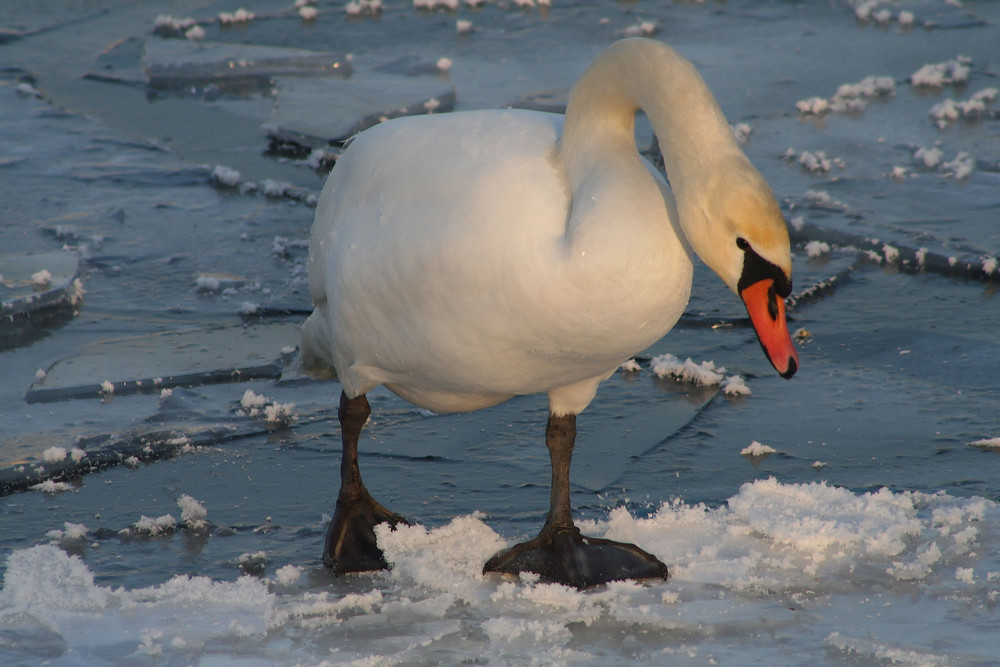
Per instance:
(742,244)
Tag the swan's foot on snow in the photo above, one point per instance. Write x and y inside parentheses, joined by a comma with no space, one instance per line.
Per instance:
(564,556)
(350,540)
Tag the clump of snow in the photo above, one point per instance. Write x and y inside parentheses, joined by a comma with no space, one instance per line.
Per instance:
(70,532)
(249,308)
(280,413)
(152,527)
(239,16)
(813,106)
(54,454)
(756,449)
(928,157)
(253,563)
(77,454)
(463,26)
(817,248)
(741,132)
(818,162)
(76,292)
(882,16)
(443,64)
(309,13)
(821,198)
(850,97)
(734,385)
(960,166)
(938,75)
(978,105)
(990,265)
(252,401)
(987,443)
(276,189)
(256,405)
(40,374)
(966,575)
(25,89)
(705,373)
(225,176)
(51,487)
(107,387)
(207,284)
(41,278)
(321,158)
(630,366)
(906,18)
(640,29)
(287,575)
(458,566)
(944,113)
(193,513)
(195,33)
(819,465)
(168,26)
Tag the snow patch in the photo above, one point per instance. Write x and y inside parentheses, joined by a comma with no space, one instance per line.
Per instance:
(756,449)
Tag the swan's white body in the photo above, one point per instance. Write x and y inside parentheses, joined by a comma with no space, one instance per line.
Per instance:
(466,258)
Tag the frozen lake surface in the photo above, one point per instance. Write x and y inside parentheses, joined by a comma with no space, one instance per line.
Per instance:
(167,475)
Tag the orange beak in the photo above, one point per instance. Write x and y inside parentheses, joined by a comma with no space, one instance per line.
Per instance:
(767,314)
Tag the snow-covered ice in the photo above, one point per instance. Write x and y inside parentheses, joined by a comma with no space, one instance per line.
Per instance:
(795,572)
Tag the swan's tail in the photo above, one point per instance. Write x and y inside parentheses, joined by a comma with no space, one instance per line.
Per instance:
(315,347)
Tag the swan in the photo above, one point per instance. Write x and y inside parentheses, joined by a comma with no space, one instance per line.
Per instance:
(462,259)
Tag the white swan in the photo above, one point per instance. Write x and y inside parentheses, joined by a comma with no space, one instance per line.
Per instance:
(465,258)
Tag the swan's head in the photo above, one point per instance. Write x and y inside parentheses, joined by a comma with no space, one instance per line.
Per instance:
(742,236)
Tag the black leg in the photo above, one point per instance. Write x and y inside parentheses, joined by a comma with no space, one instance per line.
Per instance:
(350,540)
(560,553)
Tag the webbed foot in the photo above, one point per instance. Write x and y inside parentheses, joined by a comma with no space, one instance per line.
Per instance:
(350,540)
(564,556)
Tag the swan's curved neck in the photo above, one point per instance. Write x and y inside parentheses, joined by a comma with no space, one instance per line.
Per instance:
(643,74)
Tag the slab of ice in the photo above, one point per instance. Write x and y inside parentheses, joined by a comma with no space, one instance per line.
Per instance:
(36,291)
(172,359)
(320,110)
(171,63)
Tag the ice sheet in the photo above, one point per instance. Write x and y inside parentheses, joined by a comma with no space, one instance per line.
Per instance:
(893,559)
